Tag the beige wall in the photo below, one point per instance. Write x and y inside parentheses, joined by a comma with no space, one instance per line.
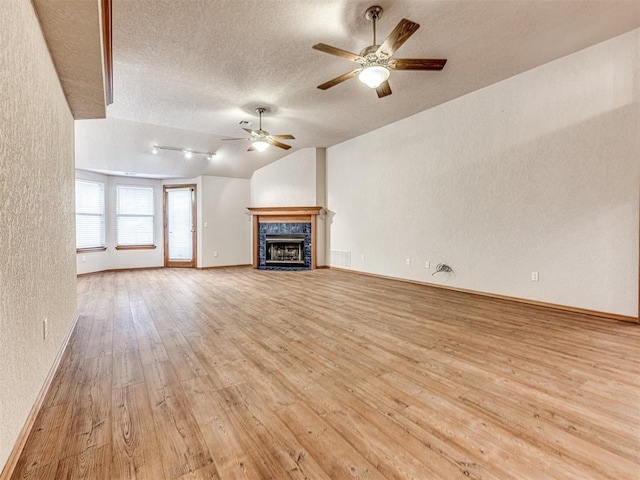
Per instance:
(537,173)
(291,181)
(37,229)
(225,225)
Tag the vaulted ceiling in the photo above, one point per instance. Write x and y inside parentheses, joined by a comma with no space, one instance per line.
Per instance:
(186,72)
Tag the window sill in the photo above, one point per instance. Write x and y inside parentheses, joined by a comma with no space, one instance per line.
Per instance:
(136,247)
(89,250)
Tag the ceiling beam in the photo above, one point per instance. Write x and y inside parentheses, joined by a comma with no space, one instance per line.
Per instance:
(76,34)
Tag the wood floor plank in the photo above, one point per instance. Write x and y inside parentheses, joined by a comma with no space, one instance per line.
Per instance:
(42,451)
(127,364)
(274,441)
(150,344)
(136,451)
(236,373)
(182,357)
(181,442)
(337,457)
(91,410)
(210,472)
(224,438)
(88,464)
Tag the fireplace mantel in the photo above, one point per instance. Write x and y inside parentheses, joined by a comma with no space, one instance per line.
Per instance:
(283,215)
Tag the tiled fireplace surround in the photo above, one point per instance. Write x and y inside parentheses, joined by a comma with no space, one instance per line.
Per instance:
(271,229)
(294,221)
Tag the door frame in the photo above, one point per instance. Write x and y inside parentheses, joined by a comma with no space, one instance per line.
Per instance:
(194,227)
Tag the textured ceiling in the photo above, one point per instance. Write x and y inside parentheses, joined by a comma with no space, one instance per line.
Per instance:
(186,72)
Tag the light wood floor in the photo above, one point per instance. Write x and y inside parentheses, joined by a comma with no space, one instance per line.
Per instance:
(245,374)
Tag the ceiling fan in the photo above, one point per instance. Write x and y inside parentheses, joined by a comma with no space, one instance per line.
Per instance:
(261,139)
(375,60)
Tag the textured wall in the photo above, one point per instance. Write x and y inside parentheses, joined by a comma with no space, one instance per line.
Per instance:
(539,172)
(37,271)
(291,181)
(228,232)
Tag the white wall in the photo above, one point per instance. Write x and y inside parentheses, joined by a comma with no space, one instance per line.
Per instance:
(297,180)
(37,227)
(539,172)
(225,224)
(110,259)
(288,182)
(221,204)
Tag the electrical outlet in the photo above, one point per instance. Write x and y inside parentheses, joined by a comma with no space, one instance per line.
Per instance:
(84,258)
(408,261)
(215,253)
(426,264)
(45,328)
(534,276)
(363,257)
(206,224)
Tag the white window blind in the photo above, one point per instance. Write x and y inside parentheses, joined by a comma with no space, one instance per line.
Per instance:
(180,224)
(89,214)
(134,215)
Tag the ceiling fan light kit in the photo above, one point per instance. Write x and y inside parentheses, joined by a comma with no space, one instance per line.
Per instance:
(260,145)
(375,62)
(374,75)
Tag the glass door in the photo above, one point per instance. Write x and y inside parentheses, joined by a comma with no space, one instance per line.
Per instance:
(180,226)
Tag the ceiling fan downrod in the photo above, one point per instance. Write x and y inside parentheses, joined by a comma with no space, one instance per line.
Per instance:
(373,14)
(260,111)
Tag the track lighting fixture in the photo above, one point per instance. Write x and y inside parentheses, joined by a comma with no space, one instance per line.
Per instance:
(185,151)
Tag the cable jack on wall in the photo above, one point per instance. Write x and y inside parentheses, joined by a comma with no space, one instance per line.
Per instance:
(442,268)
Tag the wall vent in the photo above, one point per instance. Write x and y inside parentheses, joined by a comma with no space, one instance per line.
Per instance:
(340,258)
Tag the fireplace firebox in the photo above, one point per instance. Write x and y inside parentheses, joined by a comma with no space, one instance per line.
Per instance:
(285,250)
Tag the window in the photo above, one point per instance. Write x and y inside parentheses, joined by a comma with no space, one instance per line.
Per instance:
(89,215)
(134,216)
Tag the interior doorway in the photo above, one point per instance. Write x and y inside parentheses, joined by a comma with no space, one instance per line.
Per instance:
(180,226)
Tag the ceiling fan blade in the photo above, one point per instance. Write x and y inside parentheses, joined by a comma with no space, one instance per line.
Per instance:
(323,47)
(417,63)
(251,148)
(397,37)
(248,130)
(275,143)
(283,137)
(384,89)
(223,139)
(340,79)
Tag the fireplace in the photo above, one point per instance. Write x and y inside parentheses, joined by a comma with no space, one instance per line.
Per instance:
(285,250)
(284,246)
(284,238)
